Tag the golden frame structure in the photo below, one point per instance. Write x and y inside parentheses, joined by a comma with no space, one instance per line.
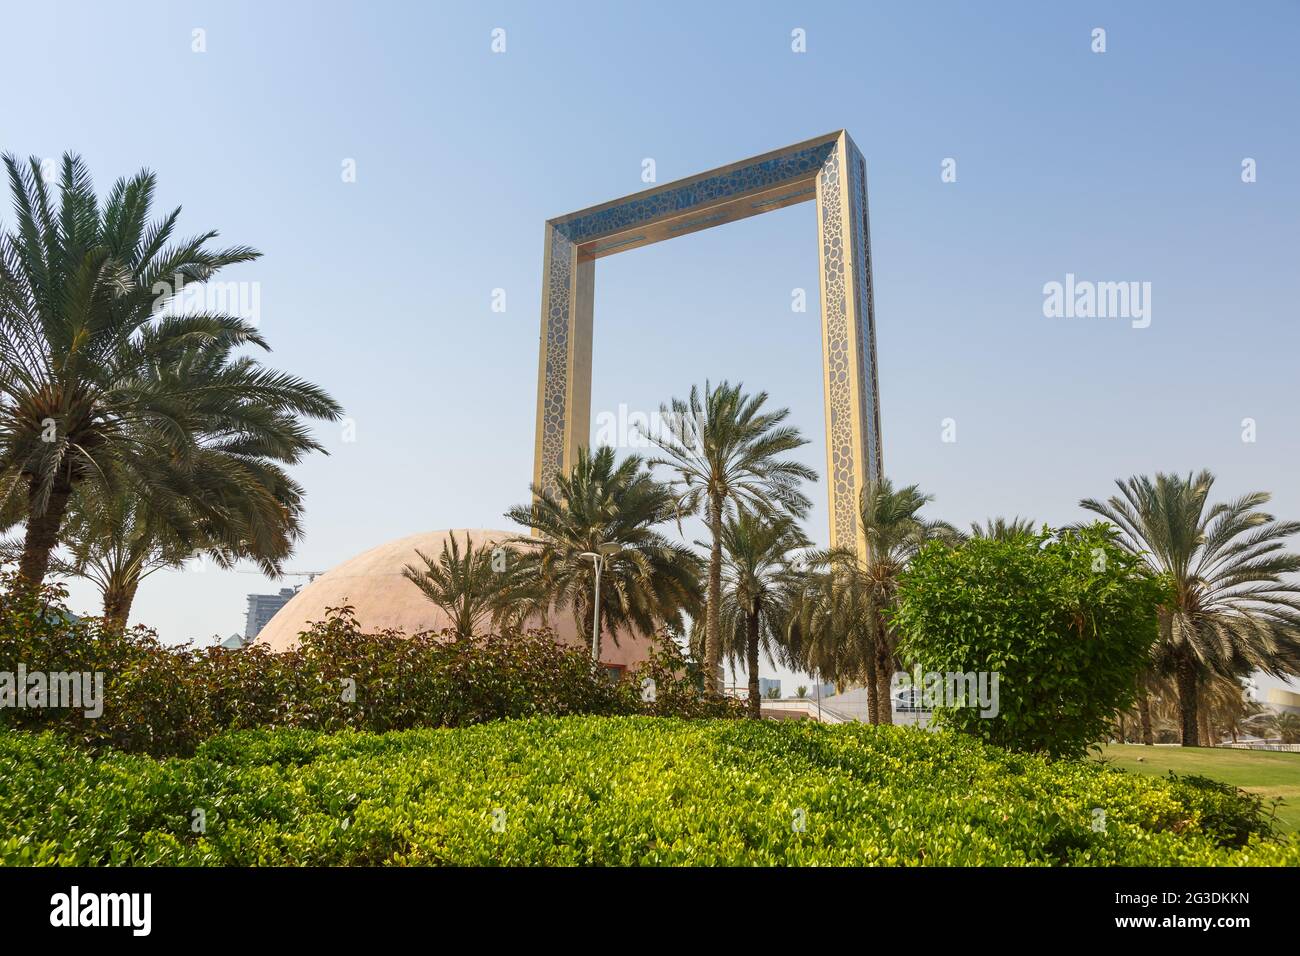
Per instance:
(830,169)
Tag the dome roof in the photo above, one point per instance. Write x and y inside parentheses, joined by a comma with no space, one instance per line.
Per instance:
(373,584)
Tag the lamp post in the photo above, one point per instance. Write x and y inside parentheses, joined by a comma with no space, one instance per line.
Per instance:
(599,557)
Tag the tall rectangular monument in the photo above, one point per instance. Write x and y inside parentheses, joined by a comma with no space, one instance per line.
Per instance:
(829,169)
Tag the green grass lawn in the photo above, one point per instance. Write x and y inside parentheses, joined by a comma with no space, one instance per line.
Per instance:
(1267,773)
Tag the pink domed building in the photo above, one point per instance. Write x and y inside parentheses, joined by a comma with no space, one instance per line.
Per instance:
(373,584)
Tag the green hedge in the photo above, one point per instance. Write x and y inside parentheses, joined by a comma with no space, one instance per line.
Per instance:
(165,700)
(610,790)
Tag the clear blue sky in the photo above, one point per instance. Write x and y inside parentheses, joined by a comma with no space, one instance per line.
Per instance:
(1117,166)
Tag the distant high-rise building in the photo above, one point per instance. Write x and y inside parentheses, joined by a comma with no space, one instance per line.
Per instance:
(261,608)
(768,684)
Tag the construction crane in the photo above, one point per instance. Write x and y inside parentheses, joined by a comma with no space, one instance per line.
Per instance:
(309,575)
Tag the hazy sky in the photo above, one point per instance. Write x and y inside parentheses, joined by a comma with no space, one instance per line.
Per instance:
(1117,166)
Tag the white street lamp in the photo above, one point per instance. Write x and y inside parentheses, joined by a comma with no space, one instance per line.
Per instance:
(599,558)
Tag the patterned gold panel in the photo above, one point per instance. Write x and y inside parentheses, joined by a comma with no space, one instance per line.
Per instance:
(558,316)
(865,310)
(838,353)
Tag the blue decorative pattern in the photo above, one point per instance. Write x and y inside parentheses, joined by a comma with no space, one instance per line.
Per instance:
(637,211)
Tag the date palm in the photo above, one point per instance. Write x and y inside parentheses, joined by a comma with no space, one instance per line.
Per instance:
(829,627)
(231,501)
(648,582)
(1004,529)
(726,453)
(91,349)
(759,584)
(116,537)
(112,542)
(472,585)
(1231,607)
(225,506)
(845,621)
(1285,726)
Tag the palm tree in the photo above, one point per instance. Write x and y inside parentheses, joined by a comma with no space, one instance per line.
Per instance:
(1222,707)
(1285,725)
(1230,609)
(472,586)
(115,535)
(1004,529)
(757,590)
(1227,707)
(848,623)
(232,501)
(1144,707)
(830,626)
(92,353)
(726,453)
(114,541)
(647,581)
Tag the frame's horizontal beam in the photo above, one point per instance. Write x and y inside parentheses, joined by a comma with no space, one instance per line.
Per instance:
(616,225)
(693,220)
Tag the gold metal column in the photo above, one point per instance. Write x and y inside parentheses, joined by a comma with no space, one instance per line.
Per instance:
(564,365)
(848,340)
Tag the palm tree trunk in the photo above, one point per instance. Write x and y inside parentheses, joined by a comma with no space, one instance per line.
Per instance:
(884,703)
(1123,728)
(751,662)
(117,604)
(1144,715)
(1203,726)
(873,690)
(713,620)
(884,674)
(1185,674)
(42,533)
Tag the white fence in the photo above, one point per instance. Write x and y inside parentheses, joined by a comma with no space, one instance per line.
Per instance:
(839,709)
(802,707)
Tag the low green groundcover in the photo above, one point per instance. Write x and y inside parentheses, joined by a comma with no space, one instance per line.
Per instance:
(610,790)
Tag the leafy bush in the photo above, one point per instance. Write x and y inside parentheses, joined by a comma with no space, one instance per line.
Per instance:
(1231,814)
(1065,620)
(165,700)
(678,688)
(609,790)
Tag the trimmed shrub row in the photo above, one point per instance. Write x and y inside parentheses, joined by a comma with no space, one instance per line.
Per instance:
(611,790)
(164,700)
